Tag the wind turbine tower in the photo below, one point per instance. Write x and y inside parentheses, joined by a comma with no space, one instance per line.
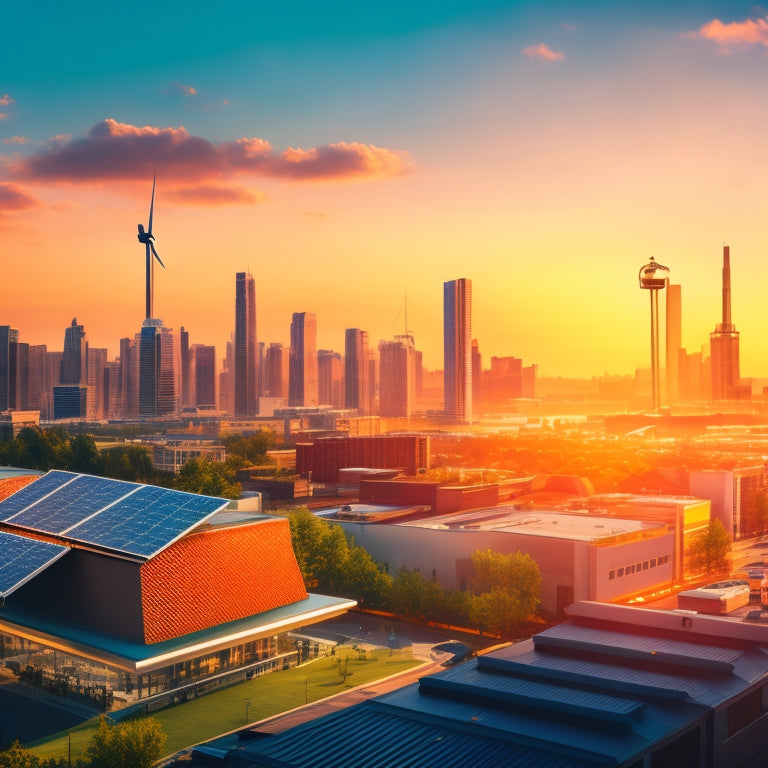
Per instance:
(147,238)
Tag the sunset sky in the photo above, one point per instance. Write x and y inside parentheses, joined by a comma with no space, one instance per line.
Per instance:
(355,156)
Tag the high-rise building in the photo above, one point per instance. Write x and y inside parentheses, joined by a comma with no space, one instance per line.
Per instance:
(187,398)
(74,359)
(158,393)
(9,339)
(674,342)
(330,378)
(226,379)
(302,370)
(276,370)
(203,364)
(477,375)
(724,344)
(38,381)
(397,377)
(129,376)
(457,349)
(246,371)
(356,387)
(97,361)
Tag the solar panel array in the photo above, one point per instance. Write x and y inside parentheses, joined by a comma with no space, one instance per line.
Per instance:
(21,558)
(126,517)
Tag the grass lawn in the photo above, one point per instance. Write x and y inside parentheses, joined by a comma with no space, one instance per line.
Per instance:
(221,711)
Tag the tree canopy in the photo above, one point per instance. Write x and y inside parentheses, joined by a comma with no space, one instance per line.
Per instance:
(709,549)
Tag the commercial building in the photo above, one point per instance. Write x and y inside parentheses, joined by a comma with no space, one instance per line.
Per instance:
(356,386)
(302,369)
(457,349)
(158,392)
(324,457)
(120,594)
(397,377)
(246,376)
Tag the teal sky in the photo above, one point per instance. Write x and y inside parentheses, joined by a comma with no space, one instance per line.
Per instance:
(508,142)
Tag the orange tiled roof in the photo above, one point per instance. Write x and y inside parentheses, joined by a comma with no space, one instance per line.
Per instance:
(219,575)
(12,484)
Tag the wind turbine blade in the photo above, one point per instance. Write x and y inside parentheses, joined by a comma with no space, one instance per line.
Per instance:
(152,204)
(151,245)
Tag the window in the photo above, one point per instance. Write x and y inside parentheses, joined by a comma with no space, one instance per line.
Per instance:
(653,562)
(620,572)
(611,575)
(645,565)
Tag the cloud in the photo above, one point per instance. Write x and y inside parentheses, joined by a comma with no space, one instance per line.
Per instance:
(738,34)
(183,90)
(6,100)
(15,140)
(14,198)
(542,52)
(217,195)
(114,151)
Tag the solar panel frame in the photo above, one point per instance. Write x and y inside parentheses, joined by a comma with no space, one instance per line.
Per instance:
(30,494)
(21,559)
(71,504)
(147,521)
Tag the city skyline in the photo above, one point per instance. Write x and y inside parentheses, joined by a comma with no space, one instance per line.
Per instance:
(347,160)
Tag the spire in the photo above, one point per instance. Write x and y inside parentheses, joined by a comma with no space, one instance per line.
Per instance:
(726,288)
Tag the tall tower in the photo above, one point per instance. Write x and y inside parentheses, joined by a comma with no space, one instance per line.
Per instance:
(246,362)
(9,394)
(74,358)
(457,349)
(674,342)
(724,344)
(397,379)
(330,378)
(186,382)
(356,387)
(302,371)
(203,375)
(158,393)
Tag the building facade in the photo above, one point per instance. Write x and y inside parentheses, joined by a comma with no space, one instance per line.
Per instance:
(457,350)
(302,373)
(246,370)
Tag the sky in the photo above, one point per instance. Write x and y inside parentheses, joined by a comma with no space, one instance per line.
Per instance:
(353,157)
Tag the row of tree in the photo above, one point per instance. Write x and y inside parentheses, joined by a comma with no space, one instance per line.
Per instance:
(58,448)
(132,744)
(504,593)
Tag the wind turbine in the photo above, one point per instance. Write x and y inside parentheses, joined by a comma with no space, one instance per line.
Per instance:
(146,238)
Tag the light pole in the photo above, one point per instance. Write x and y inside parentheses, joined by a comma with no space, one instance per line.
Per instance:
(247,703)
(653,283)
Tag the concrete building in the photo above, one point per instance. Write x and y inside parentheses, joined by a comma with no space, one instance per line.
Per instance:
(158,370)
(356,381)
(9,384)
(203,375)
(397,377)
(330,378)
(246,369)
(457,349)
(302,373)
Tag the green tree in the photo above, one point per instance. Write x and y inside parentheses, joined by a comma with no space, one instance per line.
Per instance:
(209,477)
(509,587)
(708,551)
(17,756)
(365,580)
(128,462)
(253,448)
(85,456)
(131,744)
(409,594)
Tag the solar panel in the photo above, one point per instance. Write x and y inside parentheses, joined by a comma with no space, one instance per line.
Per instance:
(71,504)
(146,521)
(33,492)
(22,558)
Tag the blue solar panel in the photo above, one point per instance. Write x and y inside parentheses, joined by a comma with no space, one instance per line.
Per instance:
(71,504)
(33,492)
(22,558)
(146,521)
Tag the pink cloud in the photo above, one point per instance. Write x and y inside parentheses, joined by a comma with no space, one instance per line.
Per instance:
(6,100)
(118,151)
(15,140)
(217,195)
(543,53)
(184,90)
(735,33)
(14,198)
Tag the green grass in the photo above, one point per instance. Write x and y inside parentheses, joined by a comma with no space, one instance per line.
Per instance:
(222,711)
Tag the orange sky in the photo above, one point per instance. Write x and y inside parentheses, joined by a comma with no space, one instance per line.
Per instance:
(458,149)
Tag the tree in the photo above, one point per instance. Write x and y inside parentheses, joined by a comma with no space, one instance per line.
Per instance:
(128,462)
(85,456)
(131,744)
(209,477)
(409,594)
(507,587)
(17,756)
(365,580)
(709,549)
(253,449)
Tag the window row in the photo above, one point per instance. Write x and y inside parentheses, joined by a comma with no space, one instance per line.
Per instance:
(628,570)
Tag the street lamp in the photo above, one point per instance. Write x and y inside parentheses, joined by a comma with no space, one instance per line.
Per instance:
(247,703)
(651,281)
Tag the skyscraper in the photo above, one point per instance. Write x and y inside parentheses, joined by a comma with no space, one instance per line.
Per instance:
(203,367)
(356,387)
(158,392)
(457,349)
(9,339)
(302,371)
(75,356)
(246,372)
(186,383)
(397,376)
(724,344)
(330,378)
(674,342)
